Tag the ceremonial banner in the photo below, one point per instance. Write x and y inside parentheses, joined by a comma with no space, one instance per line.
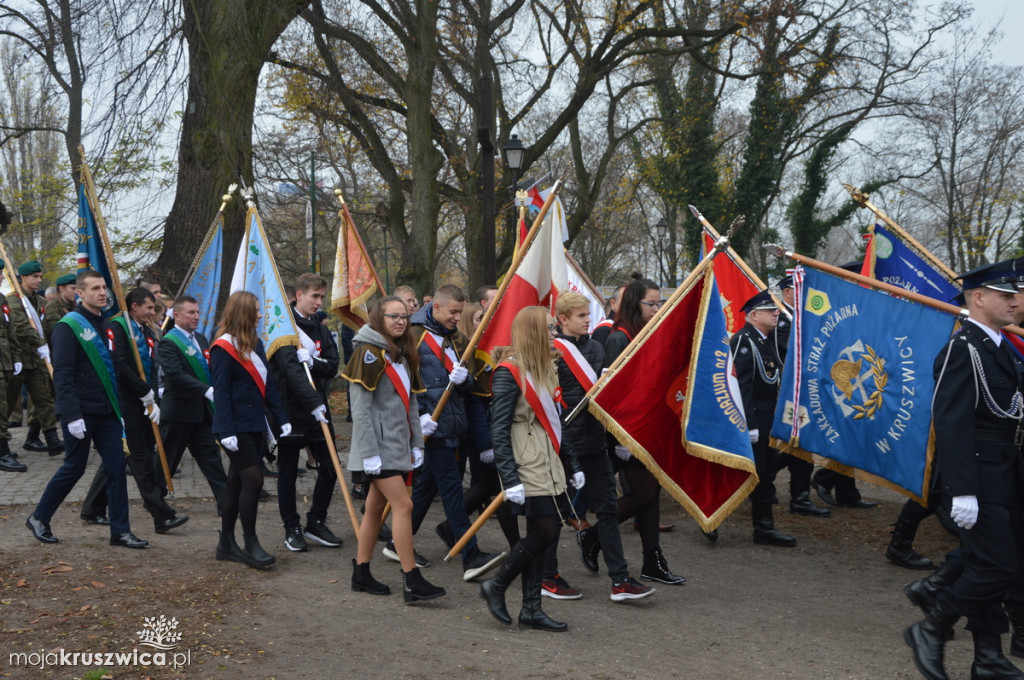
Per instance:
(537,280)
(674,403)
(90,247)
(580,283)
(355,280)
(256,272)
(204,283)
(859,376)
(733,285)
(556,212)
(892,261)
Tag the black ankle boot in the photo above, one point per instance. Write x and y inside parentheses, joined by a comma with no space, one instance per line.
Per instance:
(923,593)
(532,616)
(416,588)
(927,641)
(493,590)
(900,550)
(255,555)
(53,443)
(801,504)
(1016,613)
(228,550)
(363,581)
(765,532)
(32,440)
(989,662)
(656,569)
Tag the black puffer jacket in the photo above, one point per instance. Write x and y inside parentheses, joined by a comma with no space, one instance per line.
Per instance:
(584,436)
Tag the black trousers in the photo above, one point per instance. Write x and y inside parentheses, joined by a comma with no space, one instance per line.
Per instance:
(145,471)
(766,462)
(288,454)
(199,440)
(845,487)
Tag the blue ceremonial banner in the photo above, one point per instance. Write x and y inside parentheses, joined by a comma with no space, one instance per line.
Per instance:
(859,376)
(90,247)
(256,272)
(204,284)
(891,261)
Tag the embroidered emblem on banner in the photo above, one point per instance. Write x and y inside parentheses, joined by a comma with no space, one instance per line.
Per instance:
(859,384)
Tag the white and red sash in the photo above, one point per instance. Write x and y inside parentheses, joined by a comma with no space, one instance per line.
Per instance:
(577,363)
(445,355)
(542,403)
(606,323)
(399,376)
(254,366)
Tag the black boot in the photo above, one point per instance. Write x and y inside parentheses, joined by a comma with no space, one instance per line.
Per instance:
(228,550)
(363,581)
(8,462)
(1016,613)
(53,443)
(416,588)
(255,555)
(900,550)
(927,641)
(989,662)
(493,590)
(765,532)
(656,569)
(532,616)
(32,440)
(923,593)
(801,504)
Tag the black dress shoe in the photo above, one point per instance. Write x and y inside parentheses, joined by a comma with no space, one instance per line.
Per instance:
(859,503)
(712,535)
(40,530)
(804,506)
(34,444)
(12,464)
(773,537)
(128,540)
(823,493)
(95,519)
(165,525)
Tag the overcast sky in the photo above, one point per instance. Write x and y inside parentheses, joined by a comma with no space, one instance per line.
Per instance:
(988,13)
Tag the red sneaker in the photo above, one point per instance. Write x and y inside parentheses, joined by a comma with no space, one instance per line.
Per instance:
(559,589)
(630,589)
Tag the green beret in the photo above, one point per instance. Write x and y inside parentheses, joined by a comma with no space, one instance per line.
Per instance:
(2,263)
(30,267)
(64,280)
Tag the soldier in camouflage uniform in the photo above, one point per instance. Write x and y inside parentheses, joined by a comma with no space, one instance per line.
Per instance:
(59,306)
(9,349)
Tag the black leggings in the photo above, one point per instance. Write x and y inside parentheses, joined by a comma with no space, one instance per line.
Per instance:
(641,501)
(245,479)
(540,533)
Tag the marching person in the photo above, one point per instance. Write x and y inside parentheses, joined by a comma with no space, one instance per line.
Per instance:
(641,300)
(243,389)
(976,414)
(86,374)
(60,305)
(306,405)
(138,408)
(579,366)
(186,404)
(386,441)
(34,355)
(10,366)
(440,345)
(758,372)
(526,434)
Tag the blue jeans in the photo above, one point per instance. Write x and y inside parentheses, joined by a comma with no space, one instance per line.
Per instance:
(440,472)
(105,431)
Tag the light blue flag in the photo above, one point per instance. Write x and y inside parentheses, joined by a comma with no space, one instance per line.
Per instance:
(859,376)
(256,272)
(204,284)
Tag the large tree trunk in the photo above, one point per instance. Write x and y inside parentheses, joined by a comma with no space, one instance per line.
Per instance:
(228,42)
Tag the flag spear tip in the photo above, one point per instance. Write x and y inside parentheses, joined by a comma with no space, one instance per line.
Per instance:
(695,212)
(776,250)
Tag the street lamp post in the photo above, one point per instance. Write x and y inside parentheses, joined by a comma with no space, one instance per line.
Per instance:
(513,153)
(662,232)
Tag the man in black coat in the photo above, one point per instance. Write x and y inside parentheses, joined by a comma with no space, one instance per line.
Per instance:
(138,408)
(307,407)
(85,377)
(759,371)
(976,414)
(187,400)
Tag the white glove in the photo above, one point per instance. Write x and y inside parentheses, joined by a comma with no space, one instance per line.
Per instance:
(230,443)
(754,436)
(154,413)
(320,413)
(302,354)
(150,398)
(428,425)
(17,367)
(286,429)
(77,428)
(578,480)
(516,494)
(622,452)
(964,511)
(459,375)
(372,465)
(43,351)
(417,457)
(209,394)
(487,456)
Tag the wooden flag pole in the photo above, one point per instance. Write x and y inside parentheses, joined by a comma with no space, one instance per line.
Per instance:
(471,532)
(505,281)
(12,279)
(101,227)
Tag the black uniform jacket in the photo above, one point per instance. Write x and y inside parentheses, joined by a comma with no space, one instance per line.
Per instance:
(584,436)
(131,387)
(759,397)
(76,384)
(184,398)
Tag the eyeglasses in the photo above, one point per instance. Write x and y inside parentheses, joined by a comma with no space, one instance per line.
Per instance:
(652,305)
(552,328)
(396,317)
